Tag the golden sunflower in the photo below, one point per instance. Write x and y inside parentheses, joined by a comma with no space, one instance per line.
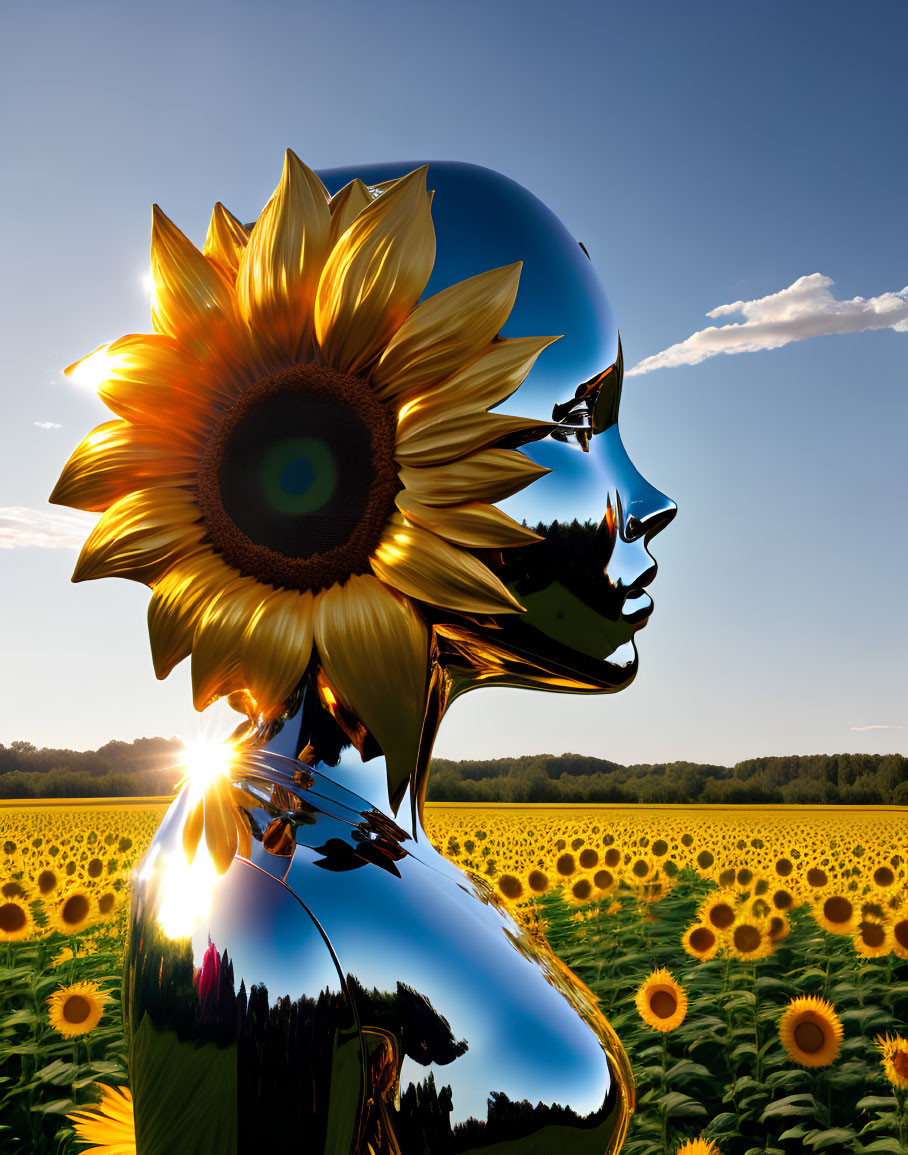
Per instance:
(661,1002)
(748,938)
(778,927)
(810,1031)
(718,911)
(47,881)
(894,1050)
(698,1147)
(900,937)
(304,454)
(73,912)
(110,1124)
(836,914)
(16,920)
(76,1010)
(700,941)
(872,938)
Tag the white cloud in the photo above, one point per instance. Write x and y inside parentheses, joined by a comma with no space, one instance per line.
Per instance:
(47,425)
(805,309)
(48,529)
(877,727)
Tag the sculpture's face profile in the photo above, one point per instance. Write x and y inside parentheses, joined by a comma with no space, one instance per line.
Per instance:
(584,586)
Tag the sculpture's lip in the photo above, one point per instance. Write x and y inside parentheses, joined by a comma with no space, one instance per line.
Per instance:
(638,605)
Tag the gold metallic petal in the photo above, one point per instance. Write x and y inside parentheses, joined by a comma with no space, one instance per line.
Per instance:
(276,648)
(154,380)
(346,206)
(279,270)
(220,825)
(476,526)
(483,384)
(427,567)
(217,642)
(117,458)
(190,293)
(192,829)
(434,442)
(375,275)
(490,475)
(178,599)
(226,239)
(374,650)
(141,536)
(446,331)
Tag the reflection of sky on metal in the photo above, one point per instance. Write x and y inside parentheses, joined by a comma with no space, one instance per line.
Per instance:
(600,113)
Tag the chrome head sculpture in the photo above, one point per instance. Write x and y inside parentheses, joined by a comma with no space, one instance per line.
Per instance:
(367,461)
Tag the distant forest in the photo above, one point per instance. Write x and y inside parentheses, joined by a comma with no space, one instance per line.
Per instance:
(149,766)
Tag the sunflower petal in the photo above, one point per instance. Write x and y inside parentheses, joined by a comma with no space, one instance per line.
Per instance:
(427,567)
(375,275)
(439,441)
(141,536)
(190,293)
(220,825)
(117,458)
(476,526)
(217,642)
(490,475)
(192,829)
(226,239)
(374,650)
(346,206)
(276,648)
(154,380)
(279,270)
(445,332)
(482,385)
(179,598)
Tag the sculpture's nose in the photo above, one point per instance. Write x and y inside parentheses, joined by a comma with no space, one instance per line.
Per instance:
(647,517)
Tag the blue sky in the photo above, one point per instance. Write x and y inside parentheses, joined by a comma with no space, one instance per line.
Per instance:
(705,154)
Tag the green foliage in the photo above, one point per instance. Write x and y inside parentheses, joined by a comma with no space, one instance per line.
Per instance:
(845,779)
(723,1072)
(42,1074)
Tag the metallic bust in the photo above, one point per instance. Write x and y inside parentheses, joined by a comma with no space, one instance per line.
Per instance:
(304,469)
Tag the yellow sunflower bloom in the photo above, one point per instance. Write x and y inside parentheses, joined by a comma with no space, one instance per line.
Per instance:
(837,914)
(16,920)
(698,1147)
(900,937)
(661,1001)
(748,938)
(810,1031)
(110,1125)
(73,912)
(304,455)
(894,1050)
(778,927)
(718,911)
(700,941)
(76,1010)
(872,938)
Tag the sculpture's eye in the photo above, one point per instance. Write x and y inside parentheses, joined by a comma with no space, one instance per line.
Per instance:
(593,408)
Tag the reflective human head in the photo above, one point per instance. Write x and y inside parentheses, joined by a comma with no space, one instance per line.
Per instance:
(583,585)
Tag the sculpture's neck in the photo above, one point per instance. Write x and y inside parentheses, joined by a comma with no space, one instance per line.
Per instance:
(311,735)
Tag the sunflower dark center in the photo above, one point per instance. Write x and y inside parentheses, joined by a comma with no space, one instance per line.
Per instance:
(76,1009)
(809,1037)
(12,917)
(663,1004)
(299,479)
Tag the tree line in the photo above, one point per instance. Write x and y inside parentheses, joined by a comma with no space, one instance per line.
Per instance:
(151,766)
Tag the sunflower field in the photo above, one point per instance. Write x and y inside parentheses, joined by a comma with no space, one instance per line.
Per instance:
(755,966)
